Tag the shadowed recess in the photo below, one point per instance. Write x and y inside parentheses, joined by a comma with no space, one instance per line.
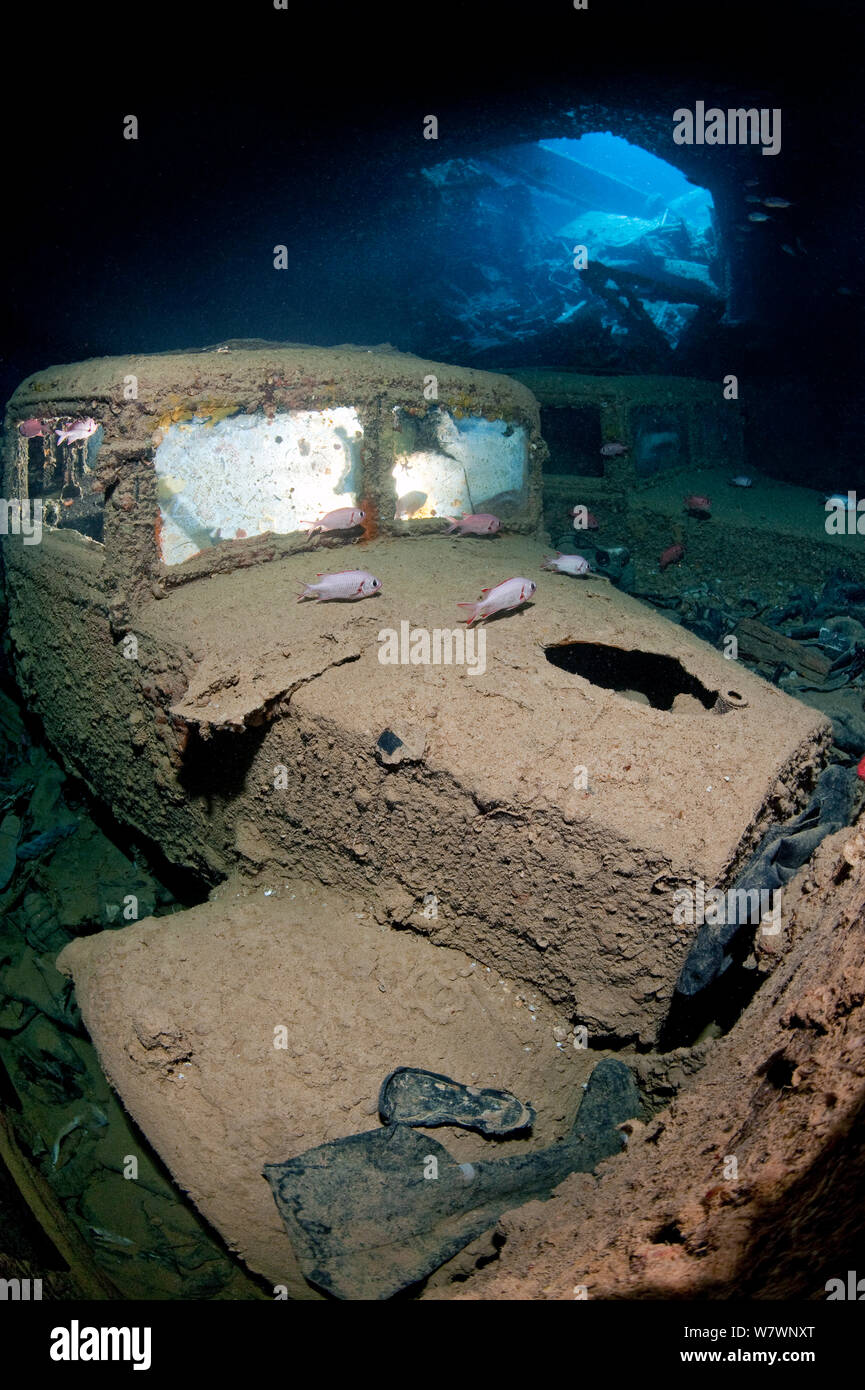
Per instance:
(659,678)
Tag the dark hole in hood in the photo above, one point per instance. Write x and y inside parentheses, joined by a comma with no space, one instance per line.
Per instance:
(660,678)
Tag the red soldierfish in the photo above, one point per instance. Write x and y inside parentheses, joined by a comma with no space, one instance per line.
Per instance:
(860,770)
(343,519)
(566,564)
(509,594)
(346,585)
(672,556)
(409,504)
(698,505)
(78,430)
(474,524)
(30,429)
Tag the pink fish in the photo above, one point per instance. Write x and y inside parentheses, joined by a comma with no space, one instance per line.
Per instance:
(343,519)
(613,449)
(566,564)
(474,524)
(78,430)
(30,429)
(345,585)
(509,594)
(698,505)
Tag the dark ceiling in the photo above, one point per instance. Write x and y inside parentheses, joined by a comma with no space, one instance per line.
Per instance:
(260,127)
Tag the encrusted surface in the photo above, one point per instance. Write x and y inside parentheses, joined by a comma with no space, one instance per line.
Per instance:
(250,1029)
(782,1096)
(245,733)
